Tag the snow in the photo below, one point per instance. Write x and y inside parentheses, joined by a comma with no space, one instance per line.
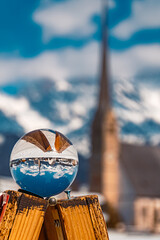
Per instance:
(7,183)
(135,103)
(113,235)
(2,139)
(20,109)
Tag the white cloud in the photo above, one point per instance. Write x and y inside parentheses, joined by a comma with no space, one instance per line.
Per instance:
(20,109)
(128,63)
(145,15)
(80,62)
(72,17)
(58,66)
(45,65)
(56,171)
(111,4)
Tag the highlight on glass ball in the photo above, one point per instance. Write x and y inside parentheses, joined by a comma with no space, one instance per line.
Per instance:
(44,162)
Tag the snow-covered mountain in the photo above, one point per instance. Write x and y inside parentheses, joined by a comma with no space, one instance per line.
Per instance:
(136,103)
(28,105)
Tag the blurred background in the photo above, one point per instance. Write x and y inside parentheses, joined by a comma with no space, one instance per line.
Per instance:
(51,64)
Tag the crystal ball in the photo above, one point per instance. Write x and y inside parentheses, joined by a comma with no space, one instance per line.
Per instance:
(44,162)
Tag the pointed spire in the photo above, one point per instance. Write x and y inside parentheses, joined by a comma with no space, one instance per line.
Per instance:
(104,98)
(99,121)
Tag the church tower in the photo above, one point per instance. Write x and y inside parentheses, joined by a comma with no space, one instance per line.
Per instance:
(104,166)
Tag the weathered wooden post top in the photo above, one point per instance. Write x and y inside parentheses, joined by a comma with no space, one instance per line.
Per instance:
(44,163)
(26,217)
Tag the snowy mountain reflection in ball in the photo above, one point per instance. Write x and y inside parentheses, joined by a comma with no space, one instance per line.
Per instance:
(44,162)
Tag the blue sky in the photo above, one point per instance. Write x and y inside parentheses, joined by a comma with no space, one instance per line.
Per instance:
(134,22)
(60,40)
(21,33)
(31,30)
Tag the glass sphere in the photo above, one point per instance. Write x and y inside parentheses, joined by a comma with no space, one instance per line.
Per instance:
(44,162)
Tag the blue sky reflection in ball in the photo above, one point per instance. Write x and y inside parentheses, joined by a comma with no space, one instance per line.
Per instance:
(44,162)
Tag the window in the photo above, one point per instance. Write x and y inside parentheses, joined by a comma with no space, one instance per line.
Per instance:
(157,216)
(144,212)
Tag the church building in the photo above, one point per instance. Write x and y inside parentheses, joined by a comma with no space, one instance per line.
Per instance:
(128,176)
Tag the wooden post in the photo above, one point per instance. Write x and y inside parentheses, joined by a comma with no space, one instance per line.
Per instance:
(23,216)
(26,217)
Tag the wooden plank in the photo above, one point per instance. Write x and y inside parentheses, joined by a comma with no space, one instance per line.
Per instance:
(43,235)
(98,222)
(9,216)
(57,223)
(29,218)
(23,218)
(49,230)
(75,216)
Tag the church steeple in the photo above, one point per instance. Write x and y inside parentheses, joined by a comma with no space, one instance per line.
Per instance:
(104,162)
(104,96)
(102,108)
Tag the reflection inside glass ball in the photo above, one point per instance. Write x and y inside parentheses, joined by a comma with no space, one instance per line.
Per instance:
(44,162)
